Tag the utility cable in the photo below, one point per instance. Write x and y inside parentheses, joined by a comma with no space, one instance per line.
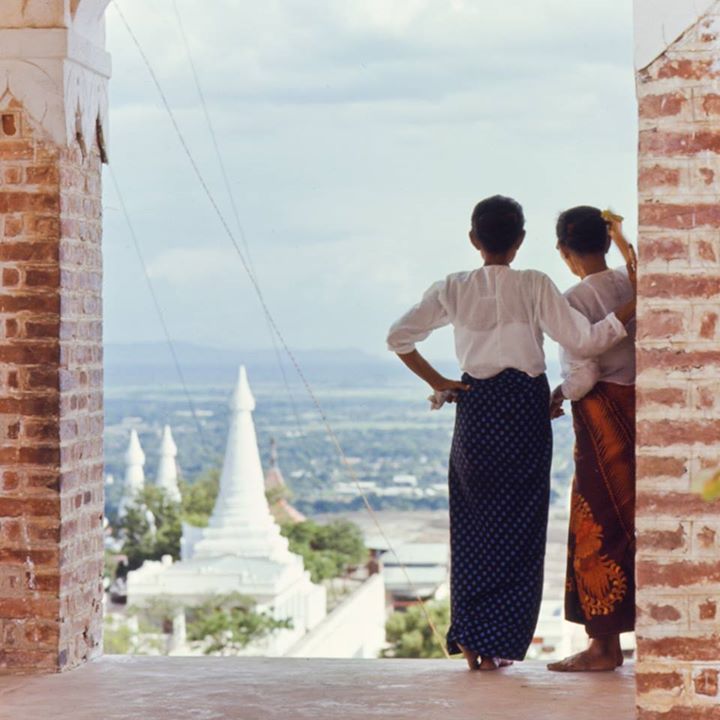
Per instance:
(233,204)
(159,311)
(261,298)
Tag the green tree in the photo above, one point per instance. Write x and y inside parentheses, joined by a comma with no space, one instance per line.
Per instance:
(110,565)
(117,639)
(223,622)
(410,634)
(142,541)
(198,498)
(328,550)
(230,622)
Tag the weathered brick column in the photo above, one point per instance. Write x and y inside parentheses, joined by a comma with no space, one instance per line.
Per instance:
(51,416)
(678,569)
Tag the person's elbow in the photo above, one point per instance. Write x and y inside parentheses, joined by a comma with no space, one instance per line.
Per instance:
(398,344)
(574,392)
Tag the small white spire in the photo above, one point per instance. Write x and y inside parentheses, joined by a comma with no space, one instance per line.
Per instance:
(241,523)
(167,473)
(134,473)
(242,398)
(134,455)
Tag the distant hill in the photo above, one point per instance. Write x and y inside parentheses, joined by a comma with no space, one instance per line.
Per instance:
(152,364)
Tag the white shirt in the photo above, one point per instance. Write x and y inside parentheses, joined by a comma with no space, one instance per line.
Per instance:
(595,297)
(499,317)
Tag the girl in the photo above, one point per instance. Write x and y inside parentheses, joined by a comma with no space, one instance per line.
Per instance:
(600,591)
(499,474)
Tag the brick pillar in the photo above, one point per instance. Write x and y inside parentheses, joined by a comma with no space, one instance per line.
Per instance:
(51,416)
(678,568)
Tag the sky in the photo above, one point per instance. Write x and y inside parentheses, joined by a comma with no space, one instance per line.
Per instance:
(357,136)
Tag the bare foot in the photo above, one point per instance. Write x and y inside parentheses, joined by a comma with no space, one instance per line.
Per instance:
(471,657)
(505,663)
(488,663)
(587,661)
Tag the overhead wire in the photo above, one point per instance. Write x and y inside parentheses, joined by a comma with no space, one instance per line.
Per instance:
(233,204)
(159,311)
(271,320)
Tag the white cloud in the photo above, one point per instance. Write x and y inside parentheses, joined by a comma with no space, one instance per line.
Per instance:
(193,267)
(357,136)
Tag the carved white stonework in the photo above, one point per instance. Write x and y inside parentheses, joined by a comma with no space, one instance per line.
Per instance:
(53,60)
(659,23)
(241,523)
(242,549)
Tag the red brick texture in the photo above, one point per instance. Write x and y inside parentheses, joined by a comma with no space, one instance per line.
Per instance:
(51,407)
(678,564)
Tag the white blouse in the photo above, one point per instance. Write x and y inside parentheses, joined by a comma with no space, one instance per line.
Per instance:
(595,297)
(499,316)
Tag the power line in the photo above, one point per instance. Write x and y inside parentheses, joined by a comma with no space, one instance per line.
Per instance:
(159,311)
(233,204)
(271,320)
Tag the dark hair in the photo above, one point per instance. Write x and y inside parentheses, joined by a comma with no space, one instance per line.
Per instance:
(583,230)
(498,223)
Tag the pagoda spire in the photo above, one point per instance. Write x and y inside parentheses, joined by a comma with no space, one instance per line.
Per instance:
(281,509)
(273,454)
(167,473)
(241,523)
(134,473)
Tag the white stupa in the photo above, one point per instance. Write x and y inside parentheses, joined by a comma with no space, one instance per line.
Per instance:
(134,473)
(167,472)
(241,523)
(242,549)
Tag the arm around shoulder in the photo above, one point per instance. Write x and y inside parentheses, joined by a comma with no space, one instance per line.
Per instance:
(571,328)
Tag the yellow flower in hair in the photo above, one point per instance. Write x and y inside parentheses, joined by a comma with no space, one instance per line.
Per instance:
(611,217)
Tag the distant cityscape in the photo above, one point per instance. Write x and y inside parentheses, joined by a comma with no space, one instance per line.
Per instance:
(397,447)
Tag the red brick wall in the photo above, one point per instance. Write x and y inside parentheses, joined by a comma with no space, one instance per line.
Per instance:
(51,417)
(678,568)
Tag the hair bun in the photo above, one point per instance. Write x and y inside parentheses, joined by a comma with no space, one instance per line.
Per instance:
(584,230)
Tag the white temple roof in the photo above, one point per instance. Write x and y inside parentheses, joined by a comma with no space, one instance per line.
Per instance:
(242,399)
(167,473)
(242,549)
(134,455)
(241,523)
(200,577)
(134,473)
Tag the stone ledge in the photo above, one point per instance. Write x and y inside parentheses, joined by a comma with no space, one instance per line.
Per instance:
(270,689)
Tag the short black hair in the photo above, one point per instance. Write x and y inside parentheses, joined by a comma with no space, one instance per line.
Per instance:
(583,230)
(498,222)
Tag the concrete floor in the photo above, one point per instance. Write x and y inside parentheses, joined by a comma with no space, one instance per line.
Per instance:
(271,689)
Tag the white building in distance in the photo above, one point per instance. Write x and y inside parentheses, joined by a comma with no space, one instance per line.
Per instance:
(134,473)
(241,550)
(167,472)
